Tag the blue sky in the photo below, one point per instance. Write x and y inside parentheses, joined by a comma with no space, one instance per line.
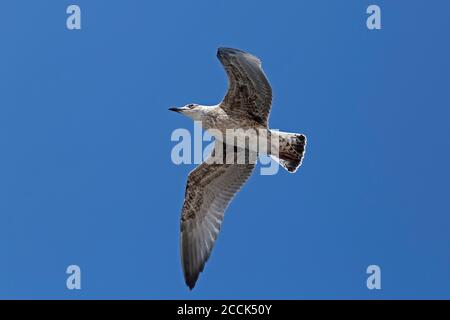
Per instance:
(86,176)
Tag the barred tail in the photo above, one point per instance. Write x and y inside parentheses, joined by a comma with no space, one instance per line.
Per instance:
(291,150)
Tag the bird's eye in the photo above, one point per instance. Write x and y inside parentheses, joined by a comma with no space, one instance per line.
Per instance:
(190,106)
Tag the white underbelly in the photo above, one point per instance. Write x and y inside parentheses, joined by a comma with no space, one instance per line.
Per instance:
(256,140)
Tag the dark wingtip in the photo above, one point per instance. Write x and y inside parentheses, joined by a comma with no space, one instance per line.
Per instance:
(191,283)
(227,50)
(190,278)
(224,52)
(221,53)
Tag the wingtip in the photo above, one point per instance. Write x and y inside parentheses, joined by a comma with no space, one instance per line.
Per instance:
(228,50)
(221,52)
(222,49)
(190,284)
(224,54)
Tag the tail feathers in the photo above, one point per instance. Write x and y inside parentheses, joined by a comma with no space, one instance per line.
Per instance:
(291,150)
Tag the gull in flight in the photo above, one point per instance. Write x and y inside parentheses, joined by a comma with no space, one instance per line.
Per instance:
(211,186)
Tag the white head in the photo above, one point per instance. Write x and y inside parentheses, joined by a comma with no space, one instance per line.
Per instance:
(193,111)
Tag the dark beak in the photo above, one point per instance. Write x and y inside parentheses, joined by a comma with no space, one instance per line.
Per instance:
(175,109)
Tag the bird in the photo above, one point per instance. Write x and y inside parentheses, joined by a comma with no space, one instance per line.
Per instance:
(211,186)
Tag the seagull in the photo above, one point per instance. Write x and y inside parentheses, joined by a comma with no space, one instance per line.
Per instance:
(211,186)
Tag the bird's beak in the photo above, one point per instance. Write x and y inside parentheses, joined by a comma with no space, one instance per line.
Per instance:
(175,109)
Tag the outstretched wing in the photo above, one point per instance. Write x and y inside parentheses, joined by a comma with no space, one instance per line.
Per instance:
(209,190)
(249,93)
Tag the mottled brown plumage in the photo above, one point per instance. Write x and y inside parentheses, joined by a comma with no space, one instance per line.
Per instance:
(209,190)
(211,186)
(249,93)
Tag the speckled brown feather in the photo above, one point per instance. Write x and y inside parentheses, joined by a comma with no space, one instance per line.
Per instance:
(249,93)
(211,187)
(209,190)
